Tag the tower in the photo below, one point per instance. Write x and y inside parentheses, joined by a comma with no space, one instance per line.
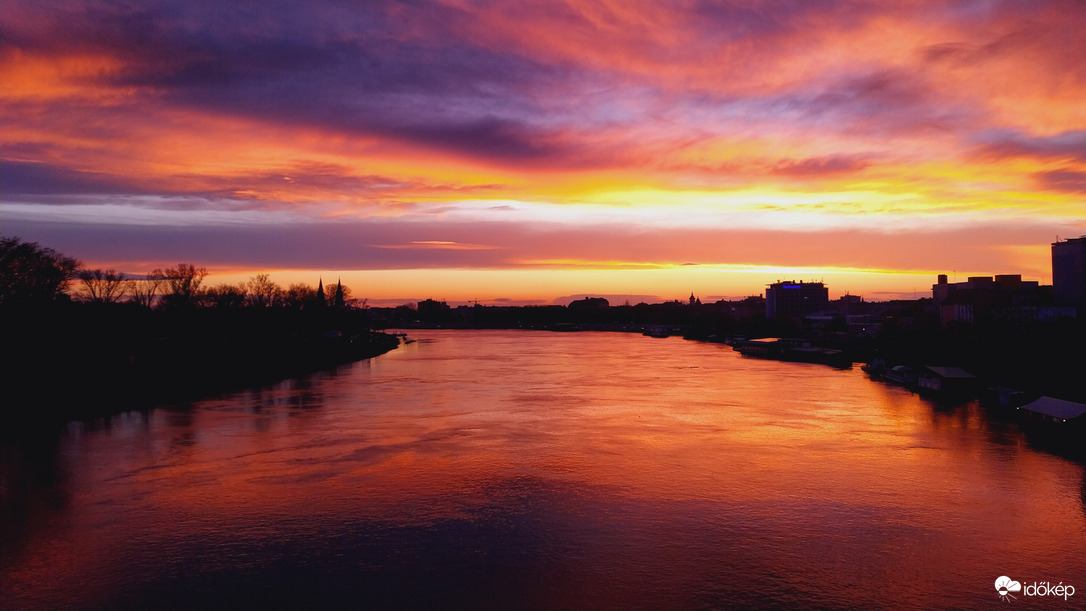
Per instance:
(337,300)
(1069,272)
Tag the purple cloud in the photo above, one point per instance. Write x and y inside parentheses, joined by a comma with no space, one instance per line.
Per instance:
(293,183)
(19,178)
(1070,181)
(822,166)
(1005,144)
(350,71)
(363,244)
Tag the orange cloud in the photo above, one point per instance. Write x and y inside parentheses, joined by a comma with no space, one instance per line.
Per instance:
(581,126)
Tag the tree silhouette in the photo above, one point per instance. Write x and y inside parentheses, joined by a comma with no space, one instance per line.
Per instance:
(100,286)
(30,273)
(263,293)
(226,296)
(143,291)
(299,296)
(182,284)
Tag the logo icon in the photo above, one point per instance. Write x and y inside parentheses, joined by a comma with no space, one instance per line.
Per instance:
(1005,585)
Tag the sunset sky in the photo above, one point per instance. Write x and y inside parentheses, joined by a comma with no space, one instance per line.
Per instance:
(522,151)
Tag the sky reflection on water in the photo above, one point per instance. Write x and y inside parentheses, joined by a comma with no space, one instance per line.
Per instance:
(504,469)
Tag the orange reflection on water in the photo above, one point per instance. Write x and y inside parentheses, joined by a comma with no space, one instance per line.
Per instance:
(632,471)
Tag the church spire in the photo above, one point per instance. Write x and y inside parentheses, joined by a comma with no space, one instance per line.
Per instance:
(338,300)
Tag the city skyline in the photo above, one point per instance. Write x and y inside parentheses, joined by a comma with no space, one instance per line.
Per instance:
(527,151)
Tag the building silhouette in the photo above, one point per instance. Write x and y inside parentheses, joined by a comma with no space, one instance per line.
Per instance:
(795,299)
(1069,272)
(431,310)
(1005,298)
(943,290)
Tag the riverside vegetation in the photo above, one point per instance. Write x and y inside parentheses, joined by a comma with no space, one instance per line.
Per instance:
(79,342)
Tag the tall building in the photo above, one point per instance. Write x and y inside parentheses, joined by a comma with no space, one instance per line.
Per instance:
(795,299)
(1069,272)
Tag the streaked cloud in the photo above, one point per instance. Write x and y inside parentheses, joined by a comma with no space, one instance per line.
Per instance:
(437,245)
(1070,181)
(849,135)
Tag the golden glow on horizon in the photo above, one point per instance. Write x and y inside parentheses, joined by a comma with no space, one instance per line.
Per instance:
(542,285)
(437,245)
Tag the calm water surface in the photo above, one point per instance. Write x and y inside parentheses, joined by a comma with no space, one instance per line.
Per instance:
(535,470)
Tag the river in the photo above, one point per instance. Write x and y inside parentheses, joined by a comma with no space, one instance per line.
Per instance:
(537,470)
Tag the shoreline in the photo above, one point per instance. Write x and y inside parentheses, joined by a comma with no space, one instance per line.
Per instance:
(78,363)
(146,387)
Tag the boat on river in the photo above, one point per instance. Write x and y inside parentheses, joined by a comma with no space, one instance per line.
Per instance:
(901,374)
(657,332)
(792,349)
(946,381)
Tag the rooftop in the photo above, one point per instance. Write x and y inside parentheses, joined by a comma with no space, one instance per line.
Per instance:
(950,372)
(1056,408)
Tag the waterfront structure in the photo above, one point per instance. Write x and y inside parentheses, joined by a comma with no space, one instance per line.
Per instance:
(795,299)
(1069,272)
(945,380)
(1049,409)
(1005,297)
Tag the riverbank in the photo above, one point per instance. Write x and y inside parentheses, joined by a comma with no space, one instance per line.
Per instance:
(75,361)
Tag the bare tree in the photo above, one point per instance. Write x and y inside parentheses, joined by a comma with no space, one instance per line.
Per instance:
(182,284)
(263,293)
(143,291)
(103,286)
(226,296)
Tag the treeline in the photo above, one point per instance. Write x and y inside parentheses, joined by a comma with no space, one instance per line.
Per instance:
(31,274)
(78,342)
(182,286)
